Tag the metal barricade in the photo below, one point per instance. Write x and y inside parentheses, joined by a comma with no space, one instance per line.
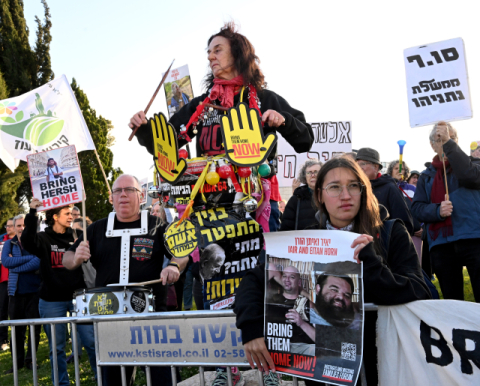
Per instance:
(181,322)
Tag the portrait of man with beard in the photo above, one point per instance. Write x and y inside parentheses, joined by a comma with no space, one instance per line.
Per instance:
(333,303)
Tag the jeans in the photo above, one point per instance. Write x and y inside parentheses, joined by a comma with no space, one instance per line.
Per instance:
(188,289)
(274,221)
(24,306)
(448,261)
(56,310)
(3,311)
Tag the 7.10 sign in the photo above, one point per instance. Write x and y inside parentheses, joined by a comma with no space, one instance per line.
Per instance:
(437,83)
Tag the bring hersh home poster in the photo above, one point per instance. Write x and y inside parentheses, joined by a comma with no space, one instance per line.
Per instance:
(55,177)
(314,305)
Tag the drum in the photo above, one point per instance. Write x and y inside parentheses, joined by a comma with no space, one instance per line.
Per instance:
(113,300)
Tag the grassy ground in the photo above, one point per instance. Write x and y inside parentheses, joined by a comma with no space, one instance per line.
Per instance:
(86,373)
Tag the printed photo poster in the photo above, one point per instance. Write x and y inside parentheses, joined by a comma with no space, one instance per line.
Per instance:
(228,245)
(55,177)
(178,89)
(144,188)
(475,149)
(437,82)
(314,305)
(331,139)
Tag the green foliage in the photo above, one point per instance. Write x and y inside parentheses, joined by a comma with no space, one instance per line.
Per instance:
(97,204)
(21,70)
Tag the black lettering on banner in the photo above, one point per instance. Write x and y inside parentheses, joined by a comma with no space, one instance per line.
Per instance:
(449,55)
(459,338)
(427,342)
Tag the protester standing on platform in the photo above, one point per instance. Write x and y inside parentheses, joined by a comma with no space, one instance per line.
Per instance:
(3,287)
(23,286)
(58,284)
(345,202)
(300,213)
(452,216)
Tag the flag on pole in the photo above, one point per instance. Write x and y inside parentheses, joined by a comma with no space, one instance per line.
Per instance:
(43,119)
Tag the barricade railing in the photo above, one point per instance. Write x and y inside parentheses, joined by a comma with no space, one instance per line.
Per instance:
(184,321)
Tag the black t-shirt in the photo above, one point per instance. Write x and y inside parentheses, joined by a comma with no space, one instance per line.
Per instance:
(146,254)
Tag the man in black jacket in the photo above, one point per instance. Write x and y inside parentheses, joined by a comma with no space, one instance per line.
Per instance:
(384,187)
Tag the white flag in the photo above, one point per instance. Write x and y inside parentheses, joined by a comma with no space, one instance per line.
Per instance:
(41,120)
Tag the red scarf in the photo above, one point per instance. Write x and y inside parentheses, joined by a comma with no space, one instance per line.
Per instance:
(437,195)
(224,92)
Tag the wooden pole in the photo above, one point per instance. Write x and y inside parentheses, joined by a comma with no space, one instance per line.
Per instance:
(103,172)
(151,100)
(445,174)
(84,215)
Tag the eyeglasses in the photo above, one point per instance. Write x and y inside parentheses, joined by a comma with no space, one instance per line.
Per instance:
(128,190)
(362,164)
(312,173)
(8,226)
(334,190)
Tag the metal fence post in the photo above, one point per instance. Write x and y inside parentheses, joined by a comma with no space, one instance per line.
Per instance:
(53,331)
(14,355)
(74,350)
(34,354)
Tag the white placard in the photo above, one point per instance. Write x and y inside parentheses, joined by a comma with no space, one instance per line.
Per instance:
(55,177)
(437,83)
(330,139)
(143,187)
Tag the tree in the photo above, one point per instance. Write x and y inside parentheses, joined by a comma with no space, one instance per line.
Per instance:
(97,203)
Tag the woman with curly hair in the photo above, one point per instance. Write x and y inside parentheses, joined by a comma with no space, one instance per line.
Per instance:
(234,75)
(300,213)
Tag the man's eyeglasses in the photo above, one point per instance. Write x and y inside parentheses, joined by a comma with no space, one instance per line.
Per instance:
(334,190)
(8,226)
(312,173)
(363,163)
(128,190)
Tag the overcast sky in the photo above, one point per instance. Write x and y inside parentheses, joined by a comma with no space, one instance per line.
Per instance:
(335,61)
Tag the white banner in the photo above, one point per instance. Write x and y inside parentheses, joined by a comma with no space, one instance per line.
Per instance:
(143,188)
(437,83)
(429,342)
(41,120)
(330,139)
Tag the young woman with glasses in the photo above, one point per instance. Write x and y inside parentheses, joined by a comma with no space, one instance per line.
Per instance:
(344,199)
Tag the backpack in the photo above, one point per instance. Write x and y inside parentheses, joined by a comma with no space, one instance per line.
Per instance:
(385,235)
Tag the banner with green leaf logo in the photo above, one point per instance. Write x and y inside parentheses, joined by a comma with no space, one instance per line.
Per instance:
(43,119)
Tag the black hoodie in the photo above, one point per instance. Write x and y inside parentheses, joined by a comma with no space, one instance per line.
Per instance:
(58,283)
(387,193)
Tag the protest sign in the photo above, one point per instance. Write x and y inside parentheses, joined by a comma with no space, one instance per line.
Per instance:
(314,305)
(41,120)
(178,89)
(330,139)
(437,82)
(143,187)
(55,177)
(429,342)
(229,246)
(243,138)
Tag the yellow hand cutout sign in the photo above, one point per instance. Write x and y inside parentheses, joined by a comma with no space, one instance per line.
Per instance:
(243,137)
(165,144)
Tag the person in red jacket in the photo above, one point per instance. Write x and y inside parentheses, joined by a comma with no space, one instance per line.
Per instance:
(3,288)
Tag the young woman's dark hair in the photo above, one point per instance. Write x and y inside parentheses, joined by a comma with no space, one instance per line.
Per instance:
(245,60)
(367,220)
(49,220)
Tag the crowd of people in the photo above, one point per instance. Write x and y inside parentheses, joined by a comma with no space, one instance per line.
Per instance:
(428,228)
